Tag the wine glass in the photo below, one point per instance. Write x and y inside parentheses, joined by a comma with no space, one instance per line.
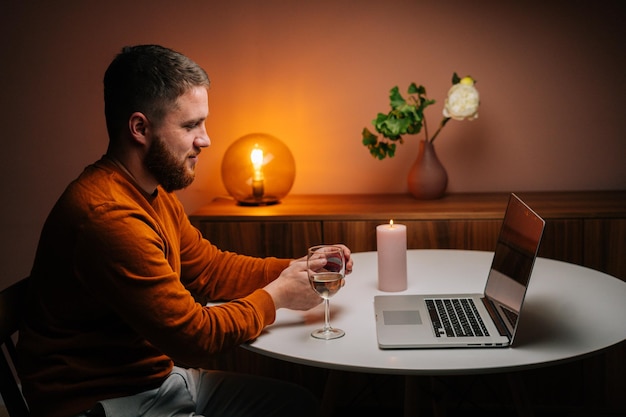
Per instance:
(326,279)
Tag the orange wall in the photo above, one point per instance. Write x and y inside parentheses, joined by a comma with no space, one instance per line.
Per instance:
(314,73)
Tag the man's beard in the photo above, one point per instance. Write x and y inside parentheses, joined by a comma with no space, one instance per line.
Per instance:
(171,173)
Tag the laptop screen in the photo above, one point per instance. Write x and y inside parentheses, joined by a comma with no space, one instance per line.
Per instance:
(514,258)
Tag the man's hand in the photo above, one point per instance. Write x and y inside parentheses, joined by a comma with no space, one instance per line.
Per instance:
(346,254)
(292,289)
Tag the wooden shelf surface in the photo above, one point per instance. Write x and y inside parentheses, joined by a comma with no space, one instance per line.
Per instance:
(592,204)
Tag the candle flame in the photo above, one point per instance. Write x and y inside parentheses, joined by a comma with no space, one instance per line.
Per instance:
(390,223)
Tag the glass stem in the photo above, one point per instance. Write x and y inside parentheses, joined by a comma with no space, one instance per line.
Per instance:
(326,315)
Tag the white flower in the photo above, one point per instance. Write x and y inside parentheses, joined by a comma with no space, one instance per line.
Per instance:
(463,100)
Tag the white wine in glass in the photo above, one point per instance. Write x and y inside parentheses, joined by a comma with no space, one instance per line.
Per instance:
(327,269)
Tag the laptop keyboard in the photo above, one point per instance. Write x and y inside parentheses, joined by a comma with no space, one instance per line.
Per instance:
(455,317)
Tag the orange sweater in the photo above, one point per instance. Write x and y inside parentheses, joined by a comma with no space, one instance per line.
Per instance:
(110,306)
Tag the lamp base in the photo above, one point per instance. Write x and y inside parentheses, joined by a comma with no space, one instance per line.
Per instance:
(266,200)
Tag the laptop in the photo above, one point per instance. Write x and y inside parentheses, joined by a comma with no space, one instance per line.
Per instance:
(489,319)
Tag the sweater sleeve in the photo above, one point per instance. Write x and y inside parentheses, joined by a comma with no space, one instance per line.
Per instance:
(203,262)
(143,270)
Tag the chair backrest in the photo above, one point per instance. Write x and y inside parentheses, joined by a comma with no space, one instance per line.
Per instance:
(12,300)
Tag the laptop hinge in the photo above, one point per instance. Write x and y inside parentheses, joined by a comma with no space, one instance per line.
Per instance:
(497,320)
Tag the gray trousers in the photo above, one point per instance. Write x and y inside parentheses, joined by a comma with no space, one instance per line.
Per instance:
(193,392)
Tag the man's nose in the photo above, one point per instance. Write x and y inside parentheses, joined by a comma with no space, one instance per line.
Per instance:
(203,140)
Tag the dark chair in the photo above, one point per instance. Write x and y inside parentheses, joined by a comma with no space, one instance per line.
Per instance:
(11,303)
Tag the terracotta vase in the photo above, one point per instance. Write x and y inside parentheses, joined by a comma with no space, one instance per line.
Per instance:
(427,178)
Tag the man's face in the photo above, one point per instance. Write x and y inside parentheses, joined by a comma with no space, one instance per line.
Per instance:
(176,141)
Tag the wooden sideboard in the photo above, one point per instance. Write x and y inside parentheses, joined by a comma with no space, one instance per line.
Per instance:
(585,228)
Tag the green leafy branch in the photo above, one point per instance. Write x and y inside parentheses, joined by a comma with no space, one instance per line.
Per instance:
(406,117)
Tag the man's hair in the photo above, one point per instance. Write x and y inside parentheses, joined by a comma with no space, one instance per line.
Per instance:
(147,79)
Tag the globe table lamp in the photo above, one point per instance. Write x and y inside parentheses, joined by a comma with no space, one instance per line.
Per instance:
(258,169)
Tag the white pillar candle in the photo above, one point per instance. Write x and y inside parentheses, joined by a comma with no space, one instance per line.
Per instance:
(391,247)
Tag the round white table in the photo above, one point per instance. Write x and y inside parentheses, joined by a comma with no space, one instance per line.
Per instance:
(570,312)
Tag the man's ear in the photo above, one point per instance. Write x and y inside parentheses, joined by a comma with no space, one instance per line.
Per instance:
(138,127)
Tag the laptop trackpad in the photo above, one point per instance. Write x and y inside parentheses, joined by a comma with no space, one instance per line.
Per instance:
(393,317)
